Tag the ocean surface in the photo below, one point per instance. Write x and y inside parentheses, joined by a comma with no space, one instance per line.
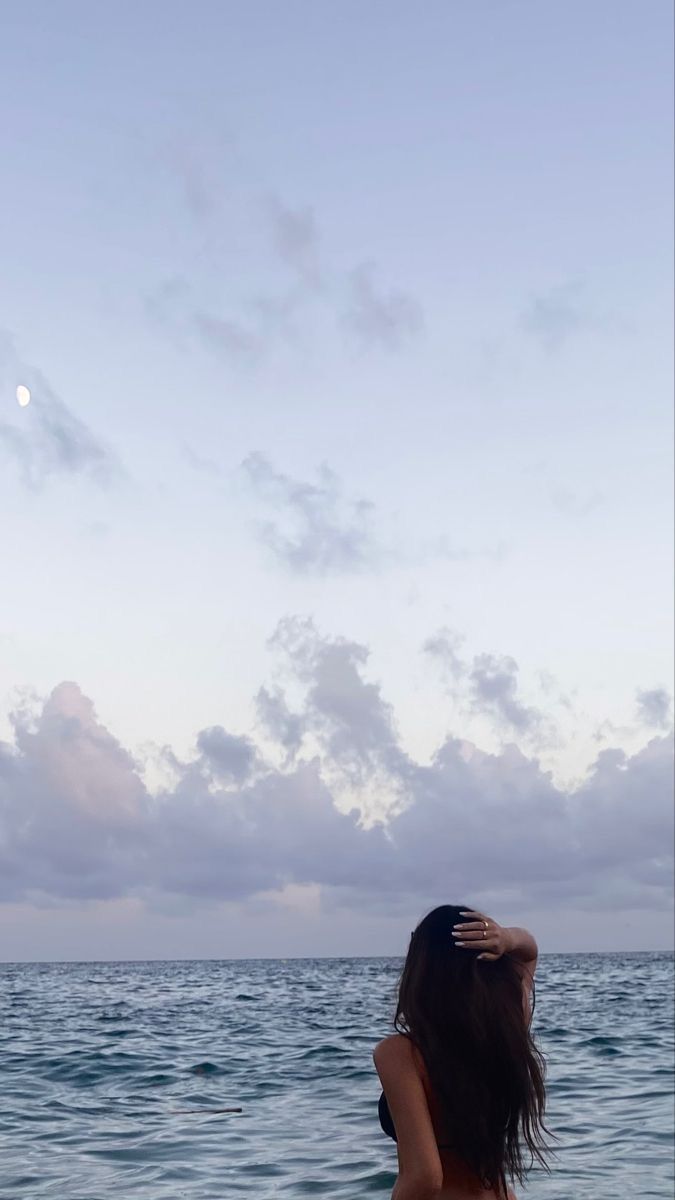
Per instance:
(98,1060)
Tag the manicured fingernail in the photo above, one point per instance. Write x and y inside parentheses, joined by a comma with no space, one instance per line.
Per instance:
(456,934)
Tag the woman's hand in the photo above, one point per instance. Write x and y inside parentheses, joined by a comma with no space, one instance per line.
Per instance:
(482,933)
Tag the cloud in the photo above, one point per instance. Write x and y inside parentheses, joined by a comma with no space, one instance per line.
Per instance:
(245,332)
(285,727)
(166,302)
(610,731)
(228,757)
(654,707)
(243,339)
(349,716)
(574,505)
(314,529)
(47,438)
(488,683)
(553,317)
(295,238)
(444,647)
(377,318)
(494,687)
(74,814)
(77,822)
(201,463)
(198,178)
(230,338)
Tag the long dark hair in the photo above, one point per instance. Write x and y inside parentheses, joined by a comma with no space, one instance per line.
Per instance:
(467,1020)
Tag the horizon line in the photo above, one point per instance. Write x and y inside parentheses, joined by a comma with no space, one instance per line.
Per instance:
(46,962)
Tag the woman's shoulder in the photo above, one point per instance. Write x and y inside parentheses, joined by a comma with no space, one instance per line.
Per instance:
(398,1047)
(392,1047)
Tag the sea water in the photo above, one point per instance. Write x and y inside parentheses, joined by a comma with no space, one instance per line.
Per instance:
(97,1062)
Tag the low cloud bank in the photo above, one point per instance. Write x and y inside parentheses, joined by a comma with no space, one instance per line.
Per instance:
(250,814)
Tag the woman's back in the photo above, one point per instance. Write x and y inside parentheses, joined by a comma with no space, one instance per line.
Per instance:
(462,1079)
(459,1181)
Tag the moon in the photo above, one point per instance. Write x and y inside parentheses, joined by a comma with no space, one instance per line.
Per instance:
(23,395)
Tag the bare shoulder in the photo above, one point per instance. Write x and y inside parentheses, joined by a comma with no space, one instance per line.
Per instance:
(392,1049)
(398,1054)
(396,1050)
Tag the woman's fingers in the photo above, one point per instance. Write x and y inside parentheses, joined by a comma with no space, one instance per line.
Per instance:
(475,939)
(471,930)
(472,935)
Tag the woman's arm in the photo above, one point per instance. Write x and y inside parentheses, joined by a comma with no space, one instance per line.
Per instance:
(521,945)
(420,1171)
(491,940)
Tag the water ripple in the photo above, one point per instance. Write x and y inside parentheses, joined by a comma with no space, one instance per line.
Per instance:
(100,1063)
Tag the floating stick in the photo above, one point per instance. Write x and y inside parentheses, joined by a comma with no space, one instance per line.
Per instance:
(206,1110)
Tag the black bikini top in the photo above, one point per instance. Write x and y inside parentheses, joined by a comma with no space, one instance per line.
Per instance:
(388,1125)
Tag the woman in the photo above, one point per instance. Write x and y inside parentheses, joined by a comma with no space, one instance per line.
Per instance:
(462,1077)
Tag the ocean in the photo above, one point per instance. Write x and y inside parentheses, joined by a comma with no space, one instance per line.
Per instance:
(98,1060)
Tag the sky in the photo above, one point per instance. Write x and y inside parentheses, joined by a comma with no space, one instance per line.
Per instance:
(337,533)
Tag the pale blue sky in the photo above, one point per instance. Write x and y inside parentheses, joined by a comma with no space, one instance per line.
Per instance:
(357,313)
